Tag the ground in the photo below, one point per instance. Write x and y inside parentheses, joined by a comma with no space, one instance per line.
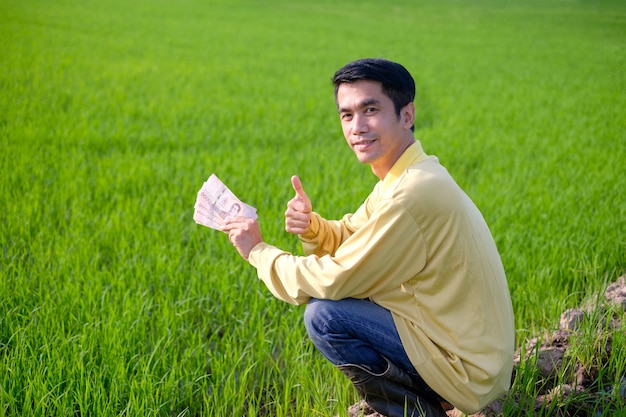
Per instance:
(585,393)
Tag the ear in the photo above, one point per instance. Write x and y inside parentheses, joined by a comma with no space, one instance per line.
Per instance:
(408,115)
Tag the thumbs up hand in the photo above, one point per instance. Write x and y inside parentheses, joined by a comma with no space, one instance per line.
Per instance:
(298,214)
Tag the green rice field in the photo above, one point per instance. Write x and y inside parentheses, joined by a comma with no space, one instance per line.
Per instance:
(113,113)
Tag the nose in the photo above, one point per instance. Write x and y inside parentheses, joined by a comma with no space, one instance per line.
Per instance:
(359,124)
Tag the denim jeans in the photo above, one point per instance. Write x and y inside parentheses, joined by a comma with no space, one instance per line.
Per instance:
(358,332)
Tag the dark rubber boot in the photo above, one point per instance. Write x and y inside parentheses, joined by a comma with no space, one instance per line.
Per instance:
(392,393)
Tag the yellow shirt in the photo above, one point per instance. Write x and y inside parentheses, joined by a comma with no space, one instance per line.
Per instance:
(419,247)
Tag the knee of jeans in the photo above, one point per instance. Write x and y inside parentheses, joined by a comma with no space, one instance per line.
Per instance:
(314,318)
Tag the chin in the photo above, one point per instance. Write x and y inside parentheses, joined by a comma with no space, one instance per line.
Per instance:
(365,158)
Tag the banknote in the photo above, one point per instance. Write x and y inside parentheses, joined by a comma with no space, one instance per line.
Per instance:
(215,202)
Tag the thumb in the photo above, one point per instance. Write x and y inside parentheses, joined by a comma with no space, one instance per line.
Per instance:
(297,187)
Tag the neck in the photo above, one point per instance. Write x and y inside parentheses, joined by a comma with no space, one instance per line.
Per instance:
(381,171)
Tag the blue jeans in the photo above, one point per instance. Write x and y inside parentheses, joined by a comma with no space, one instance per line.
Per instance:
(358,332)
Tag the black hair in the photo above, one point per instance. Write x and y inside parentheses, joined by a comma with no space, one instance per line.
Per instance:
(397,82)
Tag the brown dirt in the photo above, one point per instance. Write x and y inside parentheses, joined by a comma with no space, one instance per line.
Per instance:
(584,393)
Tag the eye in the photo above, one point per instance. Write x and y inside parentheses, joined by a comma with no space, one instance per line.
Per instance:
(346,116)
(370,110)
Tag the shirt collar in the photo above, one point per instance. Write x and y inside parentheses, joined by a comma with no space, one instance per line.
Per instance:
(410,156)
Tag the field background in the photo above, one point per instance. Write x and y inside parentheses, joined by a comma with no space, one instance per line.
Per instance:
(113,113)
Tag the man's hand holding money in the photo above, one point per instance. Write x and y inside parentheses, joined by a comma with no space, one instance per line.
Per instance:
(218,208)
(215,202)
(243,233)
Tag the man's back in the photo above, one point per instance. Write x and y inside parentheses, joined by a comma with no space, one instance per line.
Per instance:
(454,316)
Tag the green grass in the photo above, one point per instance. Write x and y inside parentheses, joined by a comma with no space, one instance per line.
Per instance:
(112,114)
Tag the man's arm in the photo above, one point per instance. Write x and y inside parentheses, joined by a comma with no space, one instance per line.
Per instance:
(368,262)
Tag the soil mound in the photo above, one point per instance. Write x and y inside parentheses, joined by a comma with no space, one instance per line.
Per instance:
(585,393)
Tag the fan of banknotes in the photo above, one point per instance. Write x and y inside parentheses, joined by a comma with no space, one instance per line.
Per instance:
(215,202)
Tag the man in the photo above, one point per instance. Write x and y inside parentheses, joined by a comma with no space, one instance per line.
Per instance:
(408,295)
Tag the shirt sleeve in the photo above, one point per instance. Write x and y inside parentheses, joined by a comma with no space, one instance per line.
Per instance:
(325,236)
(366,262)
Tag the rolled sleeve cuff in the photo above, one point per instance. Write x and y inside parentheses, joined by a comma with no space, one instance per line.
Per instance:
(314,229)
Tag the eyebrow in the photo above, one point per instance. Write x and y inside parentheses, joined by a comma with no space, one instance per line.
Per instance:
(364,103)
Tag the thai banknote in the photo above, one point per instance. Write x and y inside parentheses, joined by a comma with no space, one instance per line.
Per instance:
(215,202)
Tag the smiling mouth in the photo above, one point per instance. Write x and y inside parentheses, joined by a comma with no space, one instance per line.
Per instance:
(362,144)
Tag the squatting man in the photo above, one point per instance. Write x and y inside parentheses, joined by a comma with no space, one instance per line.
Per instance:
(407,296)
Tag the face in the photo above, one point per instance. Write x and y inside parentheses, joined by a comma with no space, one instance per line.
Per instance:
(371,126)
